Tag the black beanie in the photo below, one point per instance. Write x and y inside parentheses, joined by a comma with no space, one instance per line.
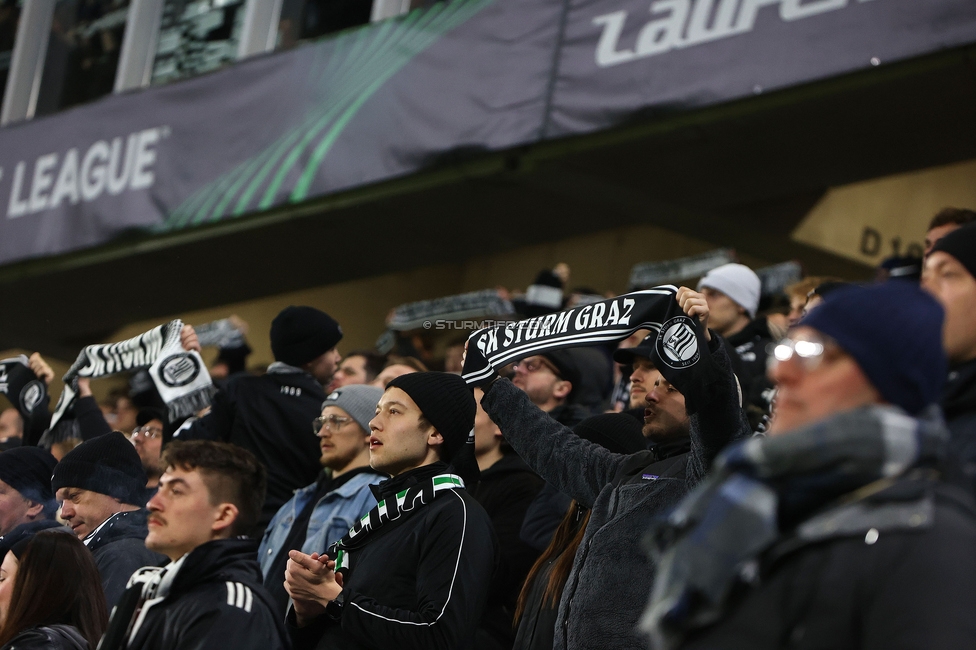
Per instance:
(961,244)
(148,414)
(28,470)
(617,432)
(300,334)
(445,401)
(108,465)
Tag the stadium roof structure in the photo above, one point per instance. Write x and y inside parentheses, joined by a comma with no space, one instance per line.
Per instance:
(468,128)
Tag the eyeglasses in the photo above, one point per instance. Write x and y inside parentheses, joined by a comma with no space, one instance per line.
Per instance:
(535,364)
(149,433)
(329,422)
(809,353)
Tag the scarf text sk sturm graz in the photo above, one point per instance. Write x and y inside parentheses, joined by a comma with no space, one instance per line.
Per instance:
(601,322)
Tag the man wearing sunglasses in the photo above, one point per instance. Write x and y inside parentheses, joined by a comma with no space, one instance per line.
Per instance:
(836,530)
(321,513)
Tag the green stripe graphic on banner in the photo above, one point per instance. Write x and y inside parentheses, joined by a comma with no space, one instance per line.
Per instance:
(360,63)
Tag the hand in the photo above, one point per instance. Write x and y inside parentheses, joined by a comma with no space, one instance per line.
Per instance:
(311,579)
(40,368)
(189,340)
(479,374)
(84,387)
(694,305)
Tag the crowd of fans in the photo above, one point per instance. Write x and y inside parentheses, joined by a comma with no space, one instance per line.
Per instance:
(801,477)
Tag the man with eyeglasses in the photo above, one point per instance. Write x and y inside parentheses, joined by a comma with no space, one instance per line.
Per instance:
(147,438)
(550,380)
(836,530)
(321,513)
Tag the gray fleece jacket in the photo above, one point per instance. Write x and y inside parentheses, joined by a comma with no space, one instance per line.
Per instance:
(611,577)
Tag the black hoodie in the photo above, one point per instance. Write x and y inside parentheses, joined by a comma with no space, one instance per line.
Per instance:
(216,600)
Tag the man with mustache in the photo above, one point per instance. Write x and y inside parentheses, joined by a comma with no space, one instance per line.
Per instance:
(210,594)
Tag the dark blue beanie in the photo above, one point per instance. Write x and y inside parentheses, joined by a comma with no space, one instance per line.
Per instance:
(894,332)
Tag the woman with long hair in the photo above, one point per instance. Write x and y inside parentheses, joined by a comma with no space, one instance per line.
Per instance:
(50,595)
(535,614)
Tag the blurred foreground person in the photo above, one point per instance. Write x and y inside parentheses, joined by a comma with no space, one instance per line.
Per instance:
(210,594)
(835,531)
(50,595)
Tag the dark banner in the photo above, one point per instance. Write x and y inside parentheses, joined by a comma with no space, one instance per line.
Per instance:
(392,98)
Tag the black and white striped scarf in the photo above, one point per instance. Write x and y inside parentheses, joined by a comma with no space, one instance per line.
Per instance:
(180,376)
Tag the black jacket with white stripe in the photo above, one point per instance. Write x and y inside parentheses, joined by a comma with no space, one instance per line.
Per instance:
(420,583)
(215,601)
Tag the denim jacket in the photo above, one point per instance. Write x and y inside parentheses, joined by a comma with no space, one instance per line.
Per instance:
(334,515)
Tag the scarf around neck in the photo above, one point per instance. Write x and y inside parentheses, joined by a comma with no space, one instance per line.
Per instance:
(764,488)
(392,509)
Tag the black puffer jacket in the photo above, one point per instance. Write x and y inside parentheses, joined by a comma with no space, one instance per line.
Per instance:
(215,601)
(271,416)
(959,406)
(48,637)
(421,581)
(612,575)
(892,571)
(119,548)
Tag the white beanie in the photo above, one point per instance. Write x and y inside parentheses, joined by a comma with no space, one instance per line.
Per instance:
(738,282)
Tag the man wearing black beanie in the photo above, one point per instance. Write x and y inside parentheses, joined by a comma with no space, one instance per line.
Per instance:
(25,487)
(414,572)
(270,415)
(950,275)
(100,484)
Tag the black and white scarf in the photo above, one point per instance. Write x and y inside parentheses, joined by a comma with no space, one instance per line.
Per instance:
(147,587)
(21,386)
(678,344)
(763,489)
(388,510)
(179,375)
(220,334)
